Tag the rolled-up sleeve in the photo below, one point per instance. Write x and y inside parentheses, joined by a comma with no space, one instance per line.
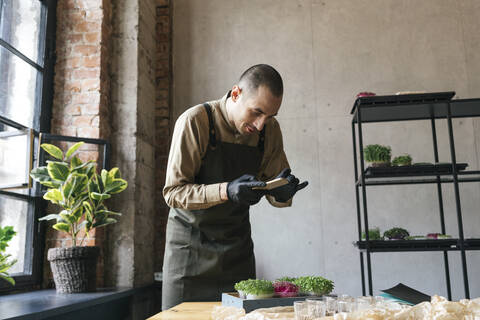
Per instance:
(189,144)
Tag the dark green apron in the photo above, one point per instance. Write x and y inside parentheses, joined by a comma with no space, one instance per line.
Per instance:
(208,250)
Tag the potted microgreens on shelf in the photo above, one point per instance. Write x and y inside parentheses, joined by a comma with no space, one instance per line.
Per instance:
(373,234)
(255,289)
(396,234)
(404,160)
(80,192)
(378,155)
(6,234)
(312,285)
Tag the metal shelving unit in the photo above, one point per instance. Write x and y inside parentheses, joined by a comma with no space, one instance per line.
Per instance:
(428,106)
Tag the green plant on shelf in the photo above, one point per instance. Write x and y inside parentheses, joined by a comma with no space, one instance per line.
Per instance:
(373,234)
(377,155)
(403,160)
(6,234)
(396,234)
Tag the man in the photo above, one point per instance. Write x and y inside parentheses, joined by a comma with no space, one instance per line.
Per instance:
(221,152)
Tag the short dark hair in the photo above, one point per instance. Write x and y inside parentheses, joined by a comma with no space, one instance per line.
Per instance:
(262,74)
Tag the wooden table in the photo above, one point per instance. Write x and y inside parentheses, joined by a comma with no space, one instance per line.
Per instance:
(187,311)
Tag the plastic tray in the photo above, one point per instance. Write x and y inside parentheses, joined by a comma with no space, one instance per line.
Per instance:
(412,170)
(232,300)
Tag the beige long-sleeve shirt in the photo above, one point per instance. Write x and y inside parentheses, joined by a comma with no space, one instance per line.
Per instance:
(189,146)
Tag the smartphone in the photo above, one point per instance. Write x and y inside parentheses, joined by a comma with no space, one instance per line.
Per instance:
(272,184)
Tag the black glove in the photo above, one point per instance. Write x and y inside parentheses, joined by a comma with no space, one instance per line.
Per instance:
(286,192)
(240,190)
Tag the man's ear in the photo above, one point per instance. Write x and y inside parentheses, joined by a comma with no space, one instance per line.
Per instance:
(236,91)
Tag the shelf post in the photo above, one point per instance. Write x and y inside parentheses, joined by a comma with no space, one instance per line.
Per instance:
(440,206)
(364,197)
(457,201)
(357,197)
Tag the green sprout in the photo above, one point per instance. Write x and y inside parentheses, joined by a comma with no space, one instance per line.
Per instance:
(317,285)
(254,286)
(405,160)
(376,153)
(396,234)
(373,234)
(287,279)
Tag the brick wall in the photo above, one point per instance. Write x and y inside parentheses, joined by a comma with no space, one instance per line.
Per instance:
(162,121)
(82,99)
(81,90)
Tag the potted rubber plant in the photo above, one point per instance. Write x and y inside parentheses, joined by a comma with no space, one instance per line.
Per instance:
(378,155)
(6,234)
(80,192)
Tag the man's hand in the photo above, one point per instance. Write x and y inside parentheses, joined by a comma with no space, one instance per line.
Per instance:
(286,192)
(240,190)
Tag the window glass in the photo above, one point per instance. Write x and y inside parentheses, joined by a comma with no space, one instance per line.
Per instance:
(14,212)
(20,27)
(17,88)
(14,166)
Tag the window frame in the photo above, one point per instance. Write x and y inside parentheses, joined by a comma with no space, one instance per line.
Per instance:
(35,232)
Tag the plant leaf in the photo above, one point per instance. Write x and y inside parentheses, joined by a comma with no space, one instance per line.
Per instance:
(82,224)
(104,222)
(40,174)
(116,186)
(90,169)
(114,173)
(93,185)
(54,195)
(87,206)
(81,183)
(54,151)
(73,149)
(78,213)
(108,212)
(50,217)
(62,227)
(75,163)
(100,196)
(4,276)
(58,171)
(105,178)
(67,217)
(6,233)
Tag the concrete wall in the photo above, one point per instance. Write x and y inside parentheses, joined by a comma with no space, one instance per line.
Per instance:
(327,51)
(133,134)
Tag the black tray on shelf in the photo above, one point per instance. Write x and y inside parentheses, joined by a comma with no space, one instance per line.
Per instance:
(472,242)
(424,244)
(412,170)
(398,99)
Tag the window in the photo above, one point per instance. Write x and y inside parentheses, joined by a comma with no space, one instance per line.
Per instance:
(27,36)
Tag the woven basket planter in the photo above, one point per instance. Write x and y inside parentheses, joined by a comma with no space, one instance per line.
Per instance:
(74,269)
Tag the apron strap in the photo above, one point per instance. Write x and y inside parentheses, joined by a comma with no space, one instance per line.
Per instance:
(261,140)
(212,136)
(211,130)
